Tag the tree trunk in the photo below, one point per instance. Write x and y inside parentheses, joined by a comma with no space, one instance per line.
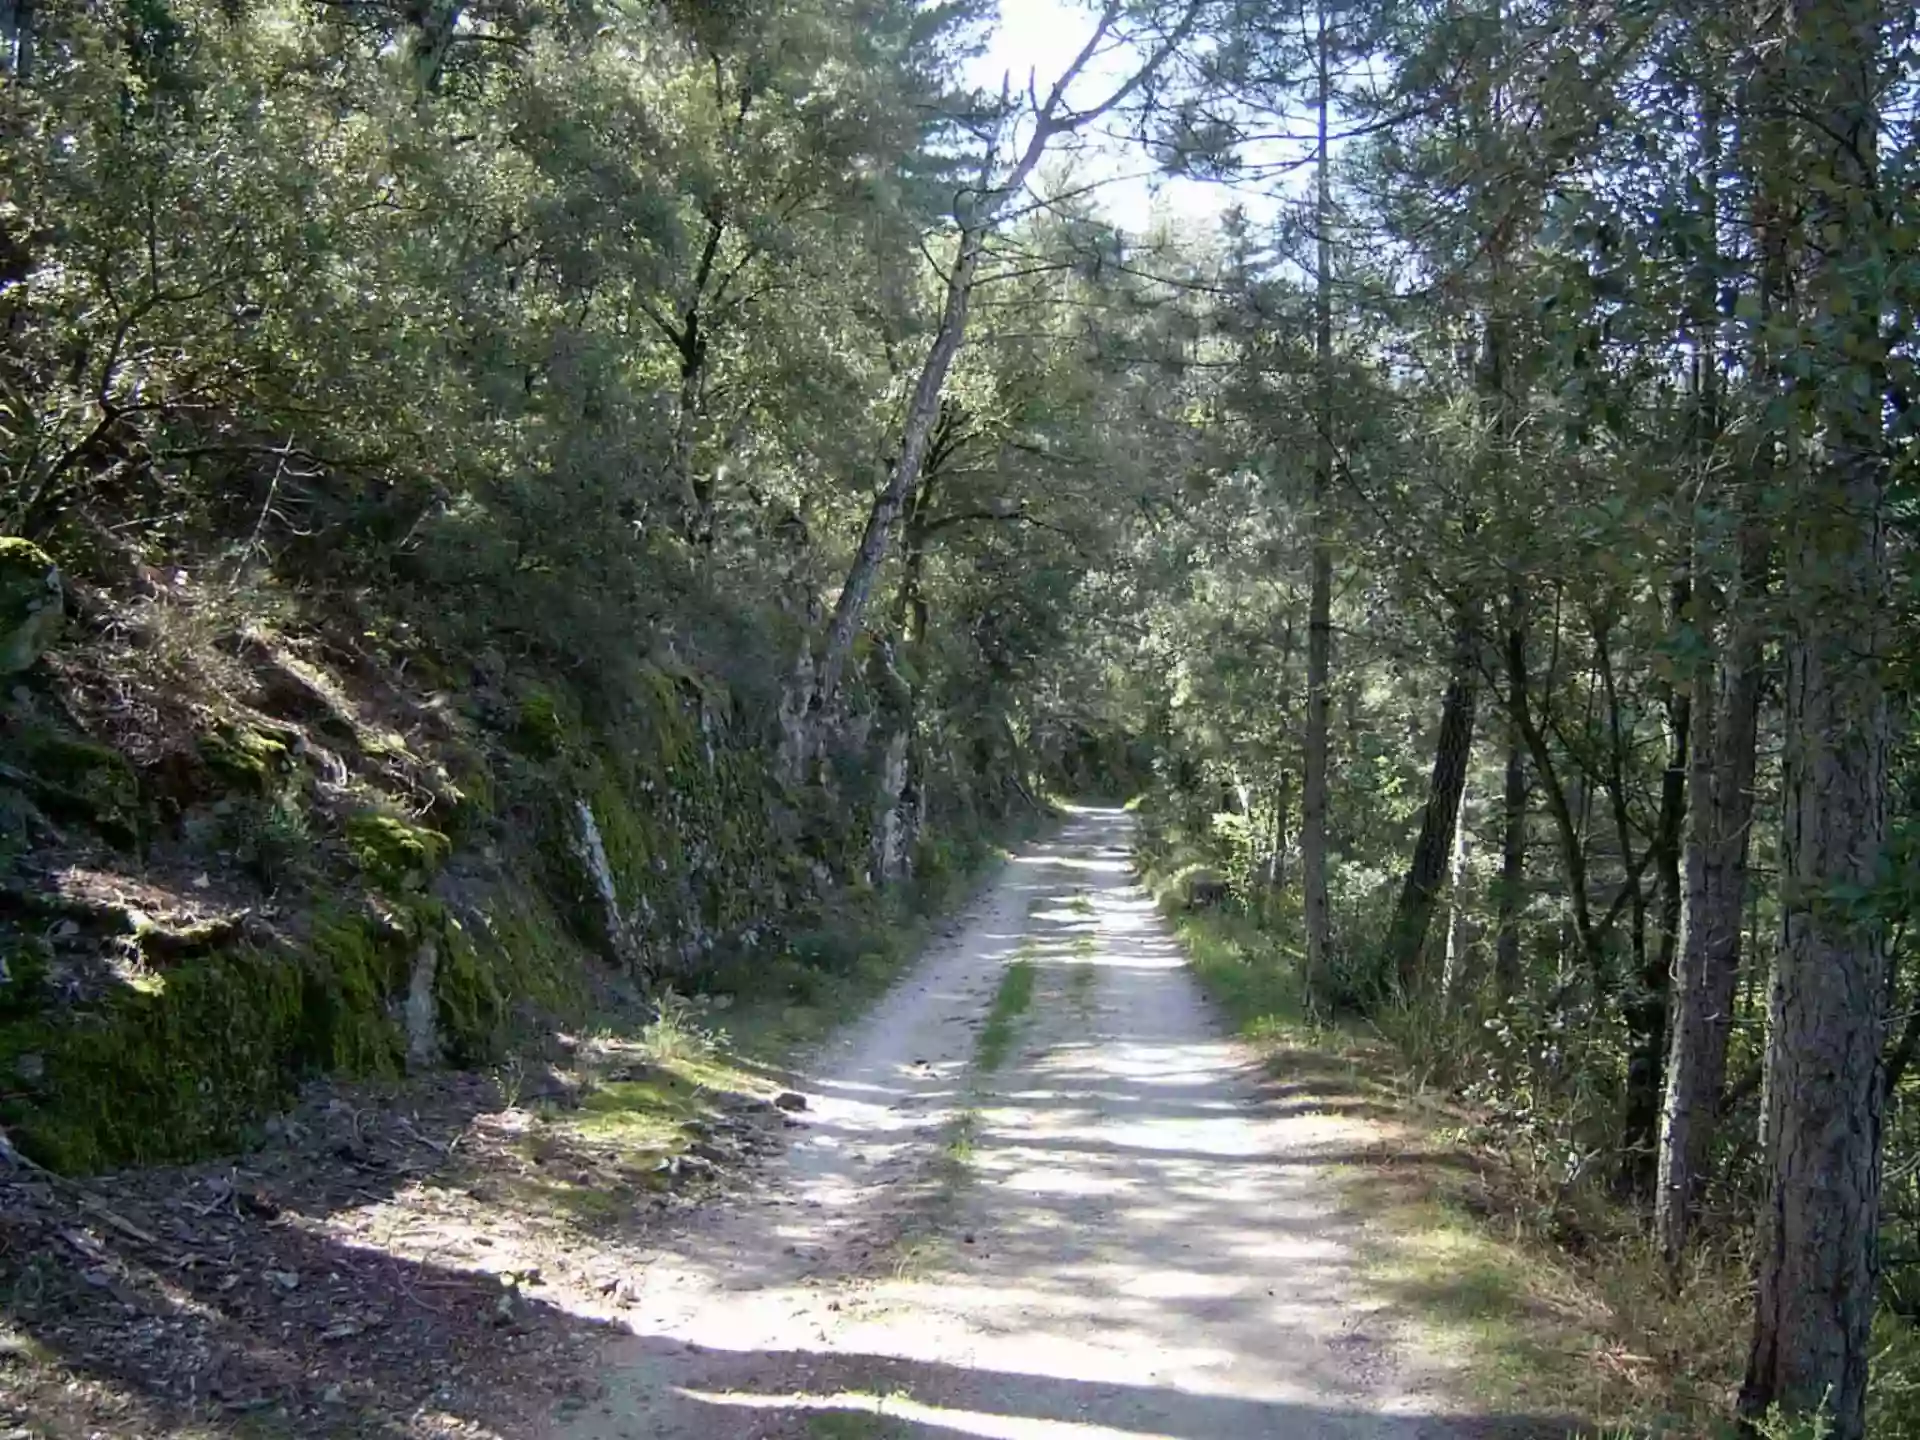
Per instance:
(16,39)
(1313,817)
(976,217)
(1817,1267)
(1453,977)
(1647,1015)
(1726,713)
(923,412)
(1513,869)
(1282,814)
(1419,892)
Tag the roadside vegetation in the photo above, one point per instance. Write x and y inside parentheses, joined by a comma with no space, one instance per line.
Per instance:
(1541,1293)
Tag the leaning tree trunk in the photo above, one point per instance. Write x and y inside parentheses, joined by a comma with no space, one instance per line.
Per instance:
(1817,1266)
(976,216)
(1427,871)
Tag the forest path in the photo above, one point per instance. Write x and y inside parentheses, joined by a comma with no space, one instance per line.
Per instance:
(1132,1239)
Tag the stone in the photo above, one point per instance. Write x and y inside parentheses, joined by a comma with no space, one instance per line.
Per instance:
(31,603)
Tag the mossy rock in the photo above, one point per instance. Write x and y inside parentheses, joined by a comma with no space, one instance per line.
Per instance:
(394,853)
(358,968)
(79,780)
(246,757)
(180,1067)
(31,603)
(471,1009)
(541,726)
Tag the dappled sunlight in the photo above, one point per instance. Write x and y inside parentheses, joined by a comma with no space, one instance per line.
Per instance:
(1120,1232)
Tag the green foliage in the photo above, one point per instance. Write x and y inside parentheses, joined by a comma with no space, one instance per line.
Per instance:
(30,603)
(393,853)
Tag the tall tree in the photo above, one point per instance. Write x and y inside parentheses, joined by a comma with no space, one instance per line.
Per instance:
(978,211)
(1817,1257)
(1313,799)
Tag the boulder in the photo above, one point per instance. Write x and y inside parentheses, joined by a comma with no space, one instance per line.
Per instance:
(30,603)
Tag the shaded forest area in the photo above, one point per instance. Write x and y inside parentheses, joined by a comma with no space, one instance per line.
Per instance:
(508,504)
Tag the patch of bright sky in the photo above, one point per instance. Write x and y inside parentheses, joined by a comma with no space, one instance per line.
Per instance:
(1039,38)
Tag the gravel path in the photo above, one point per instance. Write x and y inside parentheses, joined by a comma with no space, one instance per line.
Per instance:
(1133,1242)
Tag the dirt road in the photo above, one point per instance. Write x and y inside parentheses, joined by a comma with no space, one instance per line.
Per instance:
(1127,1241)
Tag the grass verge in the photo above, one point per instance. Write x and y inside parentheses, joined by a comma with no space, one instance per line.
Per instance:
(1535,1305)
(642,1102)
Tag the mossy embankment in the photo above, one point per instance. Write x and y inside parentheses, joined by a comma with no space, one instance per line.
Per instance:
(275,857)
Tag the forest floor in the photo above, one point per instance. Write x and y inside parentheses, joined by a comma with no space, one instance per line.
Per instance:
(1036,1192)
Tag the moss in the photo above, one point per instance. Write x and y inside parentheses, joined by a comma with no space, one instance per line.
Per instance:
(26,960)
(179,1069)
(175,1070)
(540,728)
(361,966)
(79,780)
(246,757)
(159,1074)
(30,603)
(469,1006)
(395,854)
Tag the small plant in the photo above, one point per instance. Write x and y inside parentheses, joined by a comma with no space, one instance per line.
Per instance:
(677,1031)
(511,1077)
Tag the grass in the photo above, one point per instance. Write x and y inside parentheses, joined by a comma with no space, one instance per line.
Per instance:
(853,1425)
(1542,1307)
(784,1005)
(1010,1002)
(918,1248)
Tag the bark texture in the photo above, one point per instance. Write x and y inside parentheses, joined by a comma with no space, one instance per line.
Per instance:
(1513,869)
(1817,1265)
(977,215)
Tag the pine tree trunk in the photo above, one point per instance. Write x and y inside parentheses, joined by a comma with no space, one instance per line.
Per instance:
(1420,891)
(1313,818)
(1817,1256)
(1817,1269)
